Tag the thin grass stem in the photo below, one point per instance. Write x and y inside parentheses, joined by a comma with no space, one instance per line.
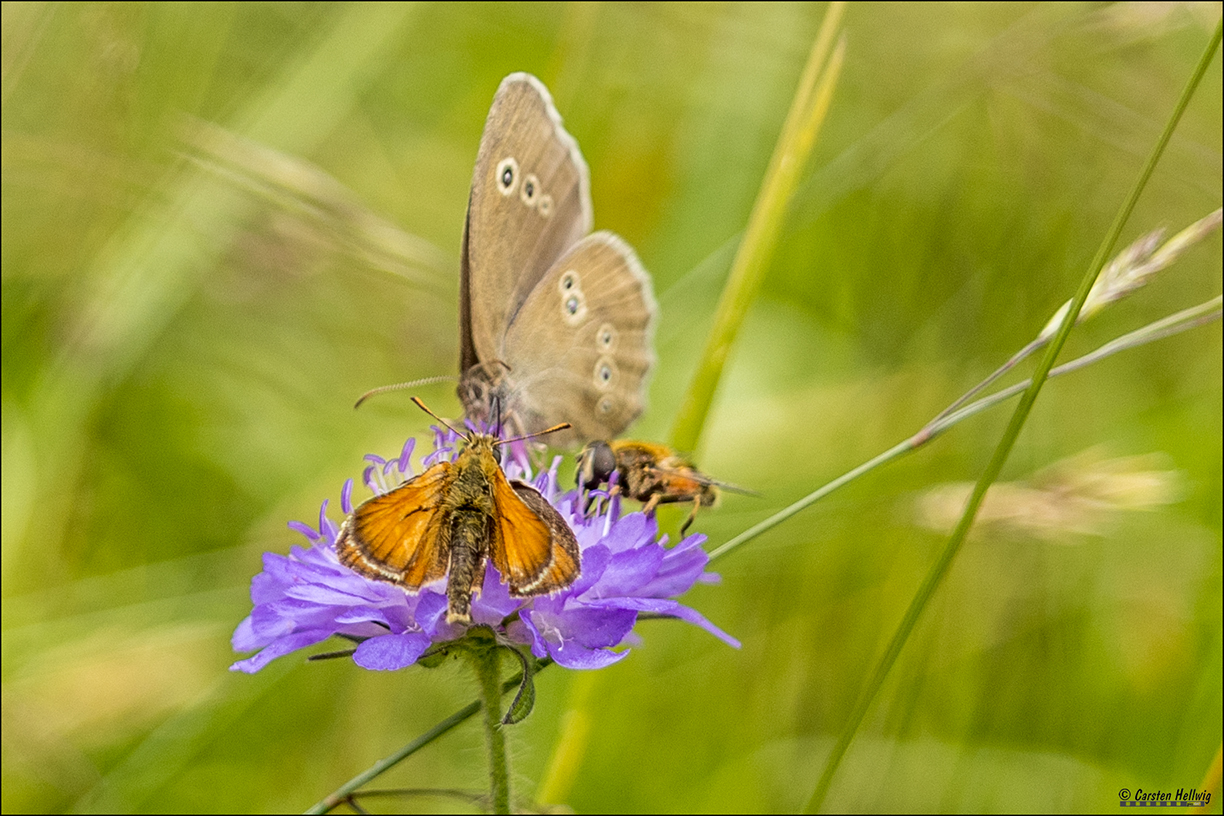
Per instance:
(1126,273)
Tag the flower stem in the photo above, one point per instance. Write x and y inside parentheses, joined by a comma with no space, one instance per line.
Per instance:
(486,661)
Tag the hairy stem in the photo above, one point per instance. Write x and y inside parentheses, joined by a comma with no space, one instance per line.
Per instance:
(487,664)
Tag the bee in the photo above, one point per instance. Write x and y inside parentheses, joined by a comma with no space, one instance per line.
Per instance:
(451,520)
(650,473)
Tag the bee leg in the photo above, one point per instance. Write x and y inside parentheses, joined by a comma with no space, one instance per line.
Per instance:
(692,515)
(651,504)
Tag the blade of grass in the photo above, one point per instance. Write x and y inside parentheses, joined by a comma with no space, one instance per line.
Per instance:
(941,566)
(803,122)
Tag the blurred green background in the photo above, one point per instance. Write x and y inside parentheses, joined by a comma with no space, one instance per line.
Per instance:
(223,222)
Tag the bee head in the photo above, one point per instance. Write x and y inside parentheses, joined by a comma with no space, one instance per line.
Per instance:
(596,464)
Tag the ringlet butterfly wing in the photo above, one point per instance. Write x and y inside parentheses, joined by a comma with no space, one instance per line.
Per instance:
(556,325)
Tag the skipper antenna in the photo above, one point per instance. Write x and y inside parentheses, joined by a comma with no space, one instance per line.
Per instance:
(553,429)
(422,406)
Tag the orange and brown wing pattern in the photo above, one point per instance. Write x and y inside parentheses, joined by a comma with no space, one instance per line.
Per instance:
(401,536)
(564,565)
(534,549)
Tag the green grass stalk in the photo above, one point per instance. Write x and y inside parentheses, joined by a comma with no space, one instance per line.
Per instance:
(803,122)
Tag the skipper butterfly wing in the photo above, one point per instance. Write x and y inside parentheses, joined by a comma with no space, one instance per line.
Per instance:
(401,536)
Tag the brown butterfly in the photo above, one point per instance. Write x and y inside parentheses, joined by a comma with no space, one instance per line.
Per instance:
(650,473)
(452,519)
(555,322)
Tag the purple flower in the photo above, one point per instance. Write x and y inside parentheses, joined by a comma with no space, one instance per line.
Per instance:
(308,596)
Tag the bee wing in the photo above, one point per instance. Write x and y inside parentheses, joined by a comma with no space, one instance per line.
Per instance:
(401,536)
(698,477)
(534,549)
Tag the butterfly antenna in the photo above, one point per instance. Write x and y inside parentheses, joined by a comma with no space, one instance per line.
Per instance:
(423,407)
(382,389)
(553,429)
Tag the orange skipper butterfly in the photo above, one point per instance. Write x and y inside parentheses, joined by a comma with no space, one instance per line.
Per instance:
(451,520)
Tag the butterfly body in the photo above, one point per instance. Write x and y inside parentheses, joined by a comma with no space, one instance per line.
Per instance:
(556,322)
(451,520)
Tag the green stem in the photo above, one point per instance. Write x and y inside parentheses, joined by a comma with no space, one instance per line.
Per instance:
(941,566)
(486,661)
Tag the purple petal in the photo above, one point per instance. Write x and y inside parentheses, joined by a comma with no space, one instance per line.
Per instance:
(305,529)
(346,497)
(330,531)
(431,616)
(574,656)
(391,652)
(323,521)
(546,638)
(494,602)
(284,646)
(591,627)
(244,638)
(594,561)
(694,617)
(632,531)
(679,570)
(628,571)
(405,459)
(328,596)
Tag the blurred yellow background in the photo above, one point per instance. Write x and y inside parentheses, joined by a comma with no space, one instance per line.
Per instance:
(224,222)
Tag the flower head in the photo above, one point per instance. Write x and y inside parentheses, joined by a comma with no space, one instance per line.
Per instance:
(309,596)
